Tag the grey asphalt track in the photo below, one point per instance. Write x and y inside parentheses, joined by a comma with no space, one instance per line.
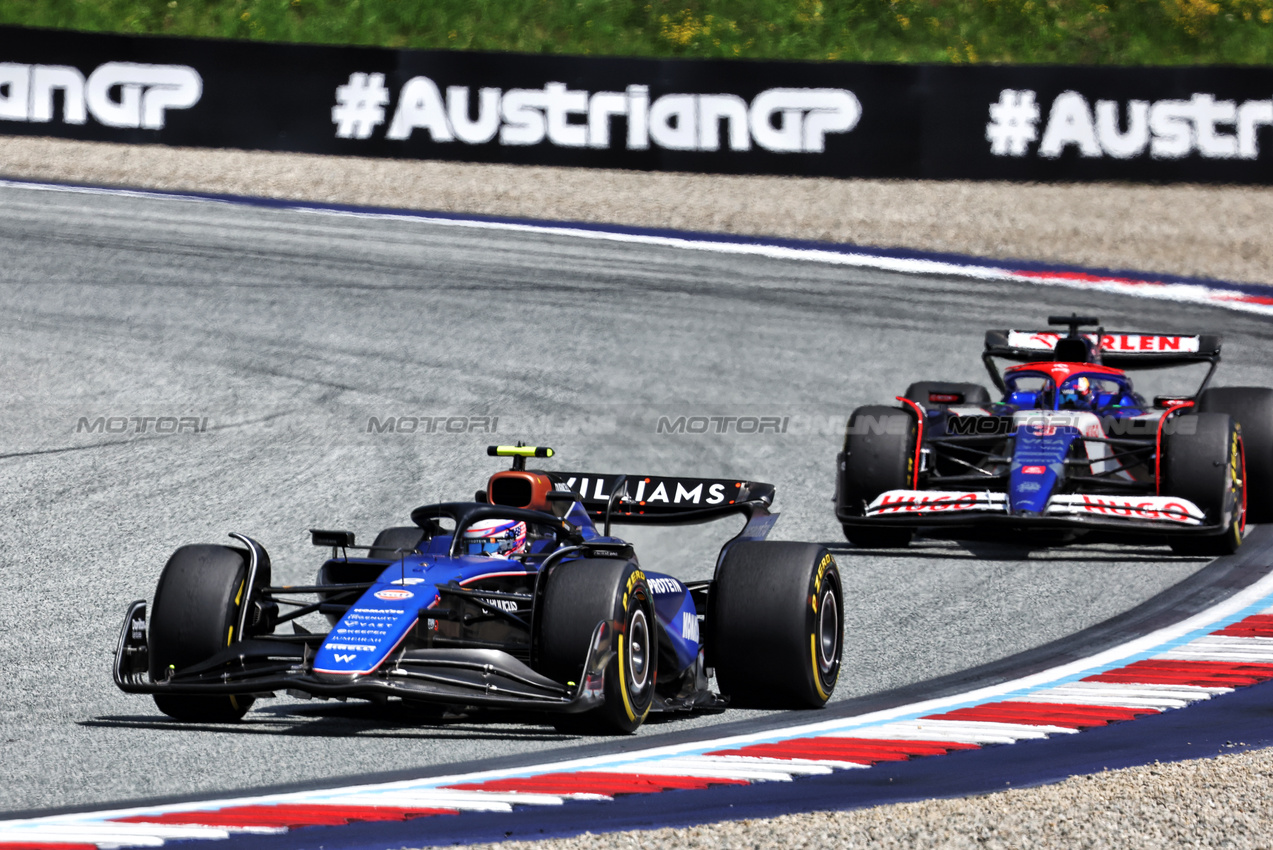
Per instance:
(284,333)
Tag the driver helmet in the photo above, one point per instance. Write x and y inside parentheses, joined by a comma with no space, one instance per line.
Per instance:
(498,538)
(1077,392)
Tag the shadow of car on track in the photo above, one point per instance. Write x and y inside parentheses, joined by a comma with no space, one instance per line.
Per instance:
(988,550)
(343,720)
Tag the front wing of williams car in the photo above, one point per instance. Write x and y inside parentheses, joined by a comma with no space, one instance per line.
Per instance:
(261,666)
(435,624)
(386,641)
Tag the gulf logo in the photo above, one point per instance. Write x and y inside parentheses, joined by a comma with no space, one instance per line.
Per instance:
(393,593)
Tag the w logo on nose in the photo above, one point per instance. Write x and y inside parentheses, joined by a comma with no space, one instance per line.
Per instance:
(344,658)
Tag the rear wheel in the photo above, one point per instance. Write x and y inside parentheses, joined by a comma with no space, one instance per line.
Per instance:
(932,394)
(1205,465)
(193,617)
(776,624)
(578,595)
(879,455)
(1252,409)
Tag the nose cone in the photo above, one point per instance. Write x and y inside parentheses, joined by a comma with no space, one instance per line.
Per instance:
(1030,485)
(1038,463)
(371,629)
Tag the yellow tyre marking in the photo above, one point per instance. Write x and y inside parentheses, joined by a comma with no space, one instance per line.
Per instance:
(826,562)
(636,576)
(813,657)
(238,598)
(623,683)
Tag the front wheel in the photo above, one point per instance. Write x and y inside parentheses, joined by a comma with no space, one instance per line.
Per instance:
(578,595)
(776,624)
(1204,462)
(879,455)
(1252,409)
(193,617)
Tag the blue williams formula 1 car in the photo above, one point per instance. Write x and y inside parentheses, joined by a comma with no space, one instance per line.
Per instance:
(1070,451)
(519,599)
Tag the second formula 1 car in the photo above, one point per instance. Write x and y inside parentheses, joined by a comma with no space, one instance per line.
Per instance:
(1069,450)
(521,598)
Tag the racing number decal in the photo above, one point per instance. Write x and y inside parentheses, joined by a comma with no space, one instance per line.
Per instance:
(826,563)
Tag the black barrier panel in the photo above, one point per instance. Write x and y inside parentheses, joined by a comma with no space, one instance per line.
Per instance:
(742,117)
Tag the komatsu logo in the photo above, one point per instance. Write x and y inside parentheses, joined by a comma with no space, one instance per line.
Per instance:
(781,120)
(116,94)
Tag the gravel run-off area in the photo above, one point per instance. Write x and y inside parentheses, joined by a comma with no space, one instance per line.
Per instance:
(1219,802)
(1207,231)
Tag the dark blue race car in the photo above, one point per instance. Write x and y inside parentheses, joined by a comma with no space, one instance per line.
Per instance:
(520,599)
(1070,450)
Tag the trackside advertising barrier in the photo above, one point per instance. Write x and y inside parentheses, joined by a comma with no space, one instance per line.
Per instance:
(1212,124)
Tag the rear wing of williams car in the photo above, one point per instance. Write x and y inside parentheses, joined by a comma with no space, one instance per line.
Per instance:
(1118,349)
(661,500)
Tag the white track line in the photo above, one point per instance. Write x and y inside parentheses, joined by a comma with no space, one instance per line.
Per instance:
(1221,294)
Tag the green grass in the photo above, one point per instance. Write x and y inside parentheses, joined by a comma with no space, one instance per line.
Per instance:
(1125,32)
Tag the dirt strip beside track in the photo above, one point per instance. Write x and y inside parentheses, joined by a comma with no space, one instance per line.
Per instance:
(1220,802)
(1207,231)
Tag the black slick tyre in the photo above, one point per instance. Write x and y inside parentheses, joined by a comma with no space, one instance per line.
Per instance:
(776,625)
(578,595)
(1252,409)
(934,394)
(1203,462)
(879,455)
(193,617)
